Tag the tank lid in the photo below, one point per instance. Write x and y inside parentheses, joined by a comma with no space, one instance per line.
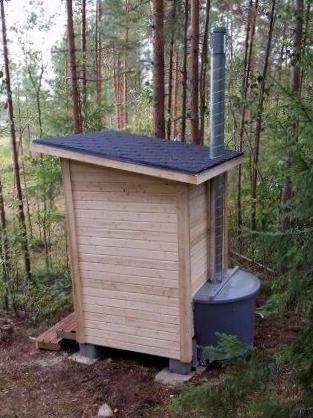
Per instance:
(236,285)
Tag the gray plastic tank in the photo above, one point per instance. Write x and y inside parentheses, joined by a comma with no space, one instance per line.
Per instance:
(227,307)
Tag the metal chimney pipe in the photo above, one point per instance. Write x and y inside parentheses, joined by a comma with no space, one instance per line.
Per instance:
(217,122)
(217,97)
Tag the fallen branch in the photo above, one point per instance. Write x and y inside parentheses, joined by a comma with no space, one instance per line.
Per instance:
(245,258)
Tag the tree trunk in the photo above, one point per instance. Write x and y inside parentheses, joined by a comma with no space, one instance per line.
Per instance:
(125,80)
(16,166)
(73,67)
(171,69)
(5,254)
(84,61)
(37,88)
(256,151)
(158,68)
(295,86)
(195,72)
(204,70)
(174,99)
(98,53)
(249,40)
(184,73)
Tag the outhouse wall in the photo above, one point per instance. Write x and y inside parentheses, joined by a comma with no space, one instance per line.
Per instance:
(129,285)
(139,249)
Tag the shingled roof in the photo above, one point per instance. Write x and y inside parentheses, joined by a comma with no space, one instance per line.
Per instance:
(136,150)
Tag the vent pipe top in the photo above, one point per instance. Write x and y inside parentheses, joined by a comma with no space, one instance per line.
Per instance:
(217,99)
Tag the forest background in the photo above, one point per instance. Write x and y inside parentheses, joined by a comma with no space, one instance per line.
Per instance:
(143,67)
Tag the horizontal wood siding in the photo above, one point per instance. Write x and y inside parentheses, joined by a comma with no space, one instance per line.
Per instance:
(198,236)
(126,227)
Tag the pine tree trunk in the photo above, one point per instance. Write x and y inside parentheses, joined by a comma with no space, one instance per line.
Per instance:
(158,68)
(171,69)
(125,81)
(256,151)
(195,7)
(184,73)
(84,61)
(295,86)
(249,40)
(16,167)
(174,99)
(98,53)
(5,254)
(73,67)
(204,70)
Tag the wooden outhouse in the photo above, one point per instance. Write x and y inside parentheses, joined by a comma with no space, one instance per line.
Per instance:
(138,216)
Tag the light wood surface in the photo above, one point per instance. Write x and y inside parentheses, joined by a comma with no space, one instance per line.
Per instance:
(199,232)
(126,229)
(73,248)
(184,268)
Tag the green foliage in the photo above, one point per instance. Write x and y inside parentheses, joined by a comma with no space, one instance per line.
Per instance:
(227,348)
(48,296)
(226,397)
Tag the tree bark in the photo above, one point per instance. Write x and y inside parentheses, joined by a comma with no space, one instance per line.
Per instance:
(249,40)
(158,68)
(171,69)
(204,70)
(174,99)
(16,166)
(5,253)
(184,73)
(73,68)
(256,151)
(84,60)
(98,53)
(295,86)
(125,80)
(195,72)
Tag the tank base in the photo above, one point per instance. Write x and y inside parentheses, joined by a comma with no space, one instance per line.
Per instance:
(178,367)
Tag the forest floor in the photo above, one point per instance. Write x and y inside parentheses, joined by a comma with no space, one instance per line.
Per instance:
(43,384)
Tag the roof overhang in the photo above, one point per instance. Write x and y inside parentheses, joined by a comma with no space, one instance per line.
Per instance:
(139,168)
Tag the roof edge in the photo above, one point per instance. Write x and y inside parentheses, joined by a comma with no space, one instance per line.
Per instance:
(138,168)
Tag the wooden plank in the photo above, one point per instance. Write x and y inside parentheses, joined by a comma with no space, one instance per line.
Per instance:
(124,196)
(129,261)
(210,173)
(184,268)
(226,231)
(129,270)
(100,277)
(127,225)
(125,216)
(130,304)
(136,339)
(138,168)
(132,313)
(199,236)
(129,296)
(118,241)
(128,252)
(168,239)
(131,288)
(127,207)
(132,321)
(211,238)
(169,351)
(164,189)
(52,337)
(73,248)
(131,332)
